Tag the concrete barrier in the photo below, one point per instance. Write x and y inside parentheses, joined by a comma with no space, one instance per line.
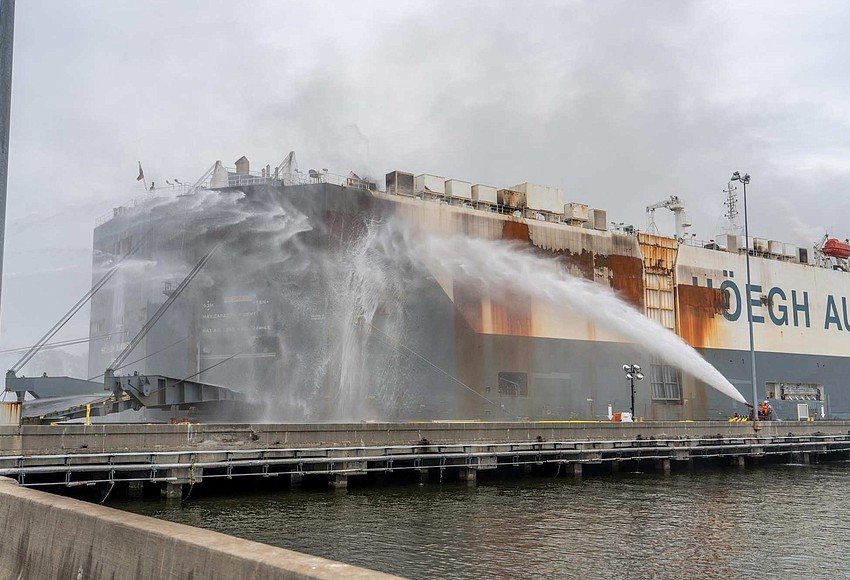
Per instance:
(49,536)
(111,438)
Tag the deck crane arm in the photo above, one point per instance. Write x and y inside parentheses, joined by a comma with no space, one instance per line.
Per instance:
(13,371)
(108,376)
(675,205)
(287,169)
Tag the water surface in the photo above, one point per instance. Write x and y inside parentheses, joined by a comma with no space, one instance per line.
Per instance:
(780,522)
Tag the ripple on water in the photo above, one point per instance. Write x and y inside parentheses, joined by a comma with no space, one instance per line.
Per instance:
(775,522)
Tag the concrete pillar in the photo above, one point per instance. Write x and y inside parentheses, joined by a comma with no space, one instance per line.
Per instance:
(338,482)
(468,475)
(664,465)
(739,461)
(575,470)
(615,467)
(805,458)
(295,480)
(136,489)
(171,491)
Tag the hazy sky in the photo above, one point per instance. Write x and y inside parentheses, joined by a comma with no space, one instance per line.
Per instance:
(619,103)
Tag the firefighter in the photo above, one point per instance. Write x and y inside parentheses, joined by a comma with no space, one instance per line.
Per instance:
(764,411)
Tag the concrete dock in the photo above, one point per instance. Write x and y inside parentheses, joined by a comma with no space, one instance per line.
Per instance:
(173,457)
(48,536)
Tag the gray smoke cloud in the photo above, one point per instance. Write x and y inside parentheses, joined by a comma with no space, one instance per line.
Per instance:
(620,103)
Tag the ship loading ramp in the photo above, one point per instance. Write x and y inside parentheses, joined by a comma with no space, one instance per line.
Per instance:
(152,398)
(67,398)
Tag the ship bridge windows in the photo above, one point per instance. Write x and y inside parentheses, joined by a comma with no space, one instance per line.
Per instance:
(513,384)
(665,381)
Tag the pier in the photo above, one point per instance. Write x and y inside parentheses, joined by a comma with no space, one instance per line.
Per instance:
(172,457)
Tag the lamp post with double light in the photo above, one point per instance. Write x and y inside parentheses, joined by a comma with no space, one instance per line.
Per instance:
(745,179)
(633,373)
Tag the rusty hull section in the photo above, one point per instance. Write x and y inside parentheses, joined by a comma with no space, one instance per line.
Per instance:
(640,269)
(699,309)
(658,253)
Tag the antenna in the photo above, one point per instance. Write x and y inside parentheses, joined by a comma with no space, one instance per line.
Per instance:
(731,204)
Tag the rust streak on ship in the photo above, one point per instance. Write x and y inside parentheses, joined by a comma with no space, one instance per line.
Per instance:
(699,309)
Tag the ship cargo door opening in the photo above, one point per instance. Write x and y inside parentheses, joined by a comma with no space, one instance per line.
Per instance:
(788,399)
(659,257)
(513,393)
(665,380)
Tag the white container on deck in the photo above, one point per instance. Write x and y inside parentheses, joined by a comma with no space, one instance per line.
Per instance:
(728,241)
(486,193)
(459,189)
(542,197)
(577,212)
(430,183)
(775,248)
(598,220)
(760,245)
(791,251)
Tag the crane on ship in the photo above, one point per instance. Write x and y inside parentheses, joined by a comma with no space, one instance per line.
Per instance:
(287,171)
(675,205)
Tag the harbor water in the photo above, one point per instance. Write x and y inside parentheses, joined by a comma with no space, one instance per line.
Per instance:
(781,521)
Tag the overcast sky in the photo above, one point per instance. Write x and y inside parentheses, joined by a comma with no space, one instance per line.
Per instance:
(621,104)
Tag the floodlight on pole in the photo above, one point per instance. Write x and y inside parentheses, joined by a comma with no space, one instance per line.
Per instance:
(632,374)
(745,179)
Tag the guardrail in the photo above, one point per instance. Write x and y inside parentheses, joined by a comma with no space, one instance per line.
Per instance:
(188,466)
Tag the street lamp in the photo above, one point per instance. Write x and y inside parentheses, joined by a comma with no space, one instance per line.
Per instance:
(632,373)
(745,179)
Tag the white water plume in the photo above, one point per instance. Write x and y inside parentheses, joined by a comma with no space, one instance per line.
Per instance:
(344,320)
(500,266)
(365,287)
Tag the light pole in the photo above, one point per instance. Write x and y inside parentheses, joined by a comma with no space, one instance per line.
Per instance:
(632,373)
(745,179)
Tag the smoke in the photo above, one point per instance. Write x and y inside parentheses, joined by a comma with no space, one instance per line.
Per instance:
(804,233)
(307,313)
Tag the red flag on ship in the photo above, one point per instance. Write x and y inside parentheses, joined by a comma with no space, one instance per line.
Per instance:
(141,173)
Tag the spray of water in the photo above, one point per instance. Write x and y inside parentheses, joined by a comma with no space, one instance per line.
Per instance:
(328,298)
(502,267)
(366,287)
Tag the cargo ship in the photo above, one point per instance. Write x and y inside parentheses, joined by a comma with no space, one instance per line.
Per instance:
(279,315)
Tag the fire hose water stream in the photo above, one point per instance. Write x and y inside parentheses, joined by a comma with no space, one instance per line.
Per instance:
(498,266)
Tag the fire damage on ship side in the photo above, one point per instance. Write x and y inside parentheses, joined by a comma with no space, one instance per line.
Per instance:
(287,318)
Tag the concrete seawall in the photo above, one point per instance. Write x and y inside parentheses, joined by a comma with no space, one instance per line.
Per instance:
(176,457)
(110,438)
(48,536)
